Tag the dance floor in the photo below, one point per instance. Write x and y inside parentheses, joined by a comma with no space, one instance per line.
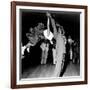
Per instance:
(42,71)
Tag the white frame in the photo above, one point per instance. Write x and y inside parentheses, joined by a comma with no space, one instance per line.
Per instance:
(63,79)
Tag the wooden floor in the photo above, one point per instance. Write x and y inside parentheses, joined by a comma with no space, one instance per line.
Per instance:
(72,70)
(48,70)
(39,71)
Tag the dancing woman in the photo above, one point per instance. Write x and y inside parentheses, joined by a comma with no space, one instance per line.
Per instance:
(48,35)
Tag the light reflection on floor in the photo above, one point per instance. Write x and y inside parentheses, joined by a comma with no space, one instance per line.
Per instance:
(48,70)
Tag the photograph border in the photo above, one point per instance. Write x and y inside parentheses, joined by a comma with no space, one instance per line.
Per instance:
(13,44)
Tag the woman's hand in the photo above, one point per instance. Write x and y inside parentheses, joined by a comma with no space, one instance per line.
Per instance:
(48,14)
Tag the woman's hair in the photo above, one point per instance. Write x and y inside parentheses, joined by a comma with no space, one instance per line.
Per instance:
(40,26)
(60,28)
(36,32)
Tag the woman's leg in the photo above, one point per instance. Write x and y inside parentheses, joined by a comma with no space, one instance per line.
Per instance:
(43,52)
(45,57)
(54,55)
(42,57)
(46,53)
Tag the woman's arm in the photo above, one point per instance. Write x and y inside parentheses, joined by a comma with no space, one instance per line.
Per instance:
(52,23)
(48,26)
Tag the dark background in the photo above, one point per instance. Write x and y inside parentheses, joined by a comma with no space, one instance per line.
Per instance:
(69,20)
(30,18)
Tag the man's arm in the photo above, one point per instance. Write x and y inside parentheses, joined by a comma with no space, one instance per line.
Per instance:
(53,24)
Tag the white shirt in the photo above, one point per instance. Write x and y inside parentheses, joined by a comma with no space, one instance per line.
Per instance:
(50,36)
